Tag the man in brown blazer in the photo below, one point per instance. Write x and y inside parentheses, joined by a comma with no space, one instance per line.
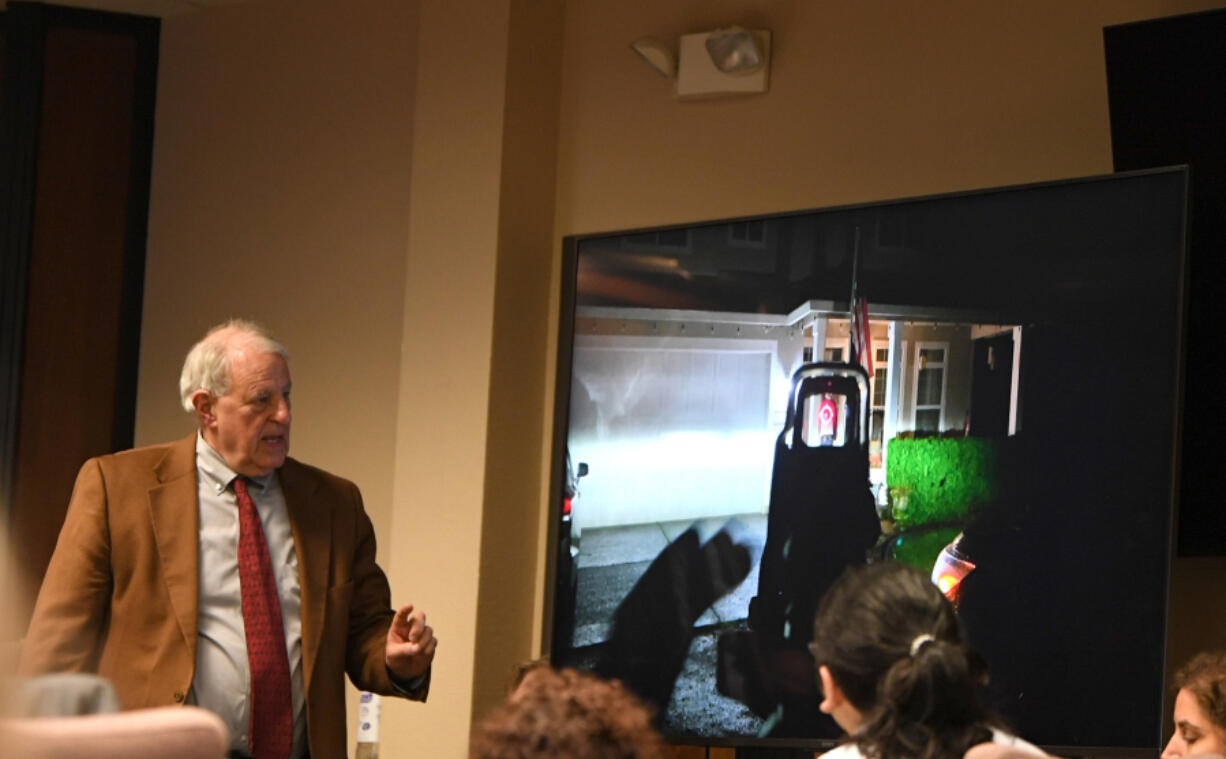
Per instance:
(144,585)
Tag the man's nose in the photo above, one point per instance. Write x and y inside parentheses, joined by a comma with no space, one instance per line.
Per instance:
(1172,749)
(282,415)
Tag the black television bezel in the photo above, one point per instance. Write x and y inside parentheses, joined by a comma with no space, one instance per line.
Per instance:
(561,416)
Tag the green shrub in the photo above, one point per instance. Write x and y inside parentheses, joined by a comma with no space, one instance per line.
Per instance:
(921,547)
(934,480)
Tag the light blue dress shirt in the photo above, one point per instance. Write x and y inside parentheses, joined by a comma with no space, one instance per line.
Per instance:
(223,679)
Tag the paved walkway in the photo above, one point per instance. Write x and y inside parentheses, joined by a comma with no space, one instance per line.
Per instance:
(612,559)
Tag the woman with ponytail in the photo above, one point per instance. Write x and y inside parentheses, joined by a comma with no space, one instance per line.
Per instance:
(895,672)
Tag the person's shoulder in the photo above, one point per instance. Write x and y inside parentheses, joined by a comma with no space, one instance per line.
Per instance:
(843,751)
(306,475)
(147,456)
(154,452)
(1000,737)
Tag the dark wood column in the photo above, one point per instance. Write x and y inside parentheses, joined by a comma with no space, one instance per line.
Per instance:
(76,147)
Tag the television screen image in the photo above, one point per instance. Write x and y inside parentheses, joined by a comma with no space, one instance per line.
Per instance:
(1002,413)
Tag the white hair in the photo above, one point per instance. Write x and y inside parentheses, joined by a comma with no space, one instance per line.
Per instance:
(207,366)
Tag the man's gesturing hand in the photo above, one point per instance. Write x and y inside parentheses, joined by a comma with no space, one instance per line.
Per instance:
(410,644)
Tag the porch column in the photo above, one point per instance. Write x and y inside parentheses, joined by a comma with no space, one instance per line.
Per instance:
(893,388)
(818,329)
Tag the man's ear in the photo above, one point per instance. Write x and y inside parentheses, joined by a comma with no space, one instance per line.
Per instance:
(832,694)
(202,401)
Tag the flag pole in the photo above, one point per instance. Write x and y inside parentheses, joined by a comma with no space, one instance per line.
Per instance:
(855,271)
(852,349)
(860,332)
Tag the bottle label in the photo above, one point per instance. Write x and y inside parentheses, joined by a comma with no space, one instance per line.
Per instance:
(369,706)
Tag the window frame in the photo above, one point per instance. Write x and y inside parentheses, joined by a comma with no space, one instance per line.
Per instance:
(916,367)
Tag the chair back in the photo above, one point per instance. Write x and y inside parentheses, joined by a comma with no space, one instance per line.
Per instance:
(169,732)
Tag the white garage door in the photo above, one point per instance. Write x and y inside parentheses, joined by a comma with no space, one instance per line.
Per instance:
(670,434)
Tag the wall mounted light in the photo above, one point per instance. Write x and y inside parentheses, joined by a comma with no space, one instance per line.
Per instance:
(734,51)
(729,61)
(657,55)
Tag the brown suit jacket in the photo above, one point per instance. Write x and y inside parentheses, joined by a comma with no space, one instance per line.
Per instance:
(120,595)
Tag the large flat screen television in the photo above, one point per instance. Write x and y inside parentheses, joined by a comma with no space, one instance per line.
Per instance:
(719,460)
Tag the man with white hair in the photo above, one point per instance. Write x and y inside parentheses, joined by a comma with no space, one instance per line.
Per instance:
(218,571)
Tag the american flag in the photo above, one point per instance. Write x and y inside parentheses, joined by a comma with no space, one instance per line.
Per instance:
(861,339)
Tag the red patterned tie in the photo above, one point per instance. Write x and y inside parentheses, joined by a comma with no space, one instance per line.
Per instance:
(272,720)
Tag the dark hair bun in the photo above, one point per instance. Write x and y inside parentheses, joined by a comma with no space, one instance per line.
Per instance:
(895,646)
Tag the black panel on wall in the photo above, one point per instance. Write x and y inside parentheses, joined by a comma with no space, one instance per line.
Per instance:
(1166,81)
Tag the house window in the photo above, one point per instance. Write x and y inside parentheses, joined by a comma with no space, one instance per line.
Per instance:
(671,240)
(879,383)
(747,234)
(834,354)
(928,401)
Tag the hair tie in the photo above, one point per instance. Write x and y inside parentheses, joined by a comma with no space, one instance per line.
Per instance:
(918,643)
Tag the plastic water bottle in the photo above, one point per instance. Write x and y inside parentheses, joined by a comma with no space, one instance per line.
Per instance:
(369,706)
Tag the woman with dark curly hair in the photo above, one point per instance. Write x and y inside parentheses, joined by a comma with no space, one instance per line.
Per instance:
(1200,707)
(895,671)
(567,713)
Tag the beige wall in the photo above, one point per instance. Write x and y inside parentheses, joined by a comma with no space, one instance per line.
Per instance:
(280,192)
(512,564)
(385,194)
(470,414)
(868,101)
